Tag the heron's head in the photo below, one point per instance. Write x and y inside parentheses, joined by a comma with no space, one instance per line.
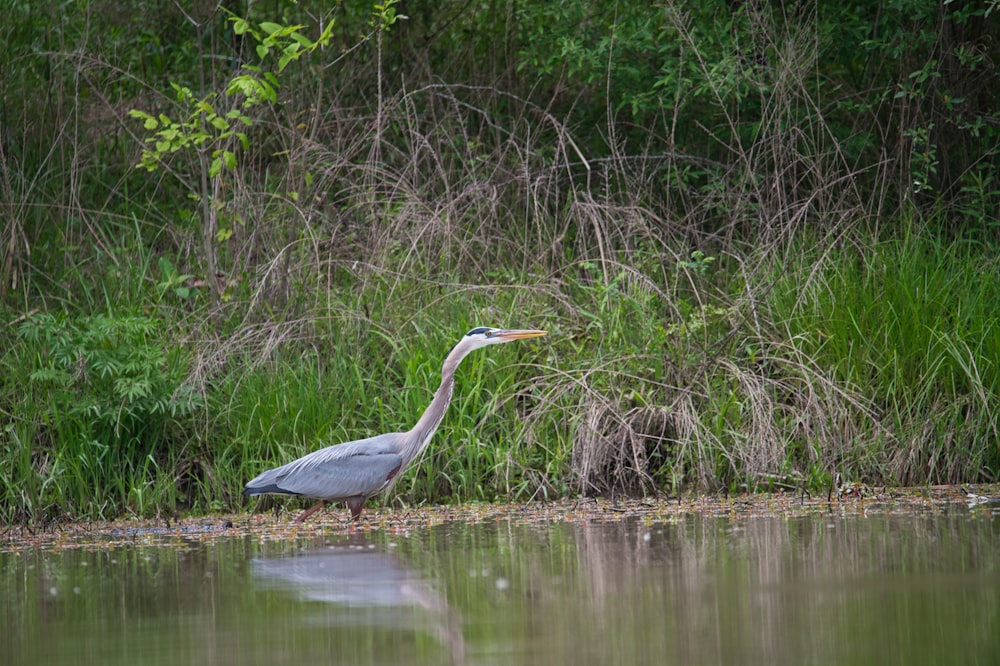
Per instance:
(482,336)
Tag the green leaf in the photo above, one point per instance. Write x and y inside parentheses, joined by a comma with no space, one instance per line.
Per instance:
(167,268)
(327,34)
(215,168)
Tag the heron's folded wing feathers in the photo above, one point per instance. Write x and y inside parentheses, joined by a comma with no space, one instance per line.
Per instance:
(344,470)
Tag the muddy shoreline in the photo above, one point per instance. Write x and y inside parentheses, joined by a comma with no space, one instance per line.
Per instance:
(859,501)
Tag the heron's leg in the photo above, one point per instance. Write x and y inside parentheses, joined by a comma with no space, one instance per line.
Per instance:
(356,505)
(310,511)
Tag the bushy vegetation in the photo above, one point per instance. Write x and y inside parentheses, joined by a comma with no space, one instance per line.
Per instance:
(763,238)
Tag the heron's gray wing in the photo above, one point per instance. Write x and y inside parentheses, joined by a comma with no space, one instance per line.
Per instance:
(345,470)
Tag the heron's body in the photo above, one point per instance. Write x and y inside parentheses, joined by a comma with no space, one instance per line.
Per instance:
(354,471)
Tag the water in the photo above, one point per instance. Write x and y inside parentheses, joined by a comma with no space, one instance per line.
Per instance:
(920,588)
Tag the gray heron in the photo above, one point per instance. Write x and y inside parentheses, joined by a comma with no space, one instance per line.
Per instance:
(352,472)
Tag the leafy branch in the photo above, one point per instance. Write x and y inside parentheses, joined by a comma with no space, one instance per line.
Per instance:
(208,132)
(204,126)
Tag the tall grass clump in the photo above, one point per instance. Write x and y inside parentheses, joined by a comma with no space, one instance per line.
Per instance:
(912,323)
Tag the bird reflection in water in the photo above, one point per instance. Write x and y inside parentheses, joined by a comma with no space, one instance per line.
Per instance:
(358,576)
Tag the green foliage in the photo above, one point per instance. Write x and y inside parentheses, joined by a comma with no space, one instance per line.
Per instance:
(206,128)
(932,58)
(699,263)
(203,128)
(285,40)
(913,325)
(102,399)
(320,214)
(384,16)
(113,371)
(172,280)
(206,134)
(592,47)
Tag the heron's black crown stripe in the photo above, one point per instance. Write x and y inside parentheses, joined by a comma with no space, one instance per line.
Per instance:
(477,331)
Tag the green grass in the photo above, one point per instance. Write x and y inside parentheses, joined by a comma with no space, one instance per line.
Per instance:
(913,325)
(877,363)
(705,334)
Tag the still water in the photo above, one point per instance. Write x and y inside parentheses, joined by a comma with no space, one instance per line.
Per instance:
(920,588)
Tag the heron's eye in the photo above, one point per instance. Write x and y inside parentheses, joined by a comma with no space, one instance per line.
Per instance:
(477,331)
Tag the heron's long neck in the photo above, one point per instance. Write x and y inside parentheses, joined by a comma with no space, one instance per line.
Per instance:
(432,416)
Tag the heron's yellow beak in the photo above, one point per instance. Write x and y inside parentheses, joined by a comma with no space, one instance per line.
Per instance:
(515,334)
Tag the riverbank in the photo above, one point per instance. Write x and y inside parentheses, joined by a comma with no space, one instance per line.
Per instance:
(756,272)
(981,499)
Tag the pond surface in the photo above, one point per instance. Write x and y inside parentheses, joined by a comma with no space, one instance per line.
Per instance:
(597,586)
